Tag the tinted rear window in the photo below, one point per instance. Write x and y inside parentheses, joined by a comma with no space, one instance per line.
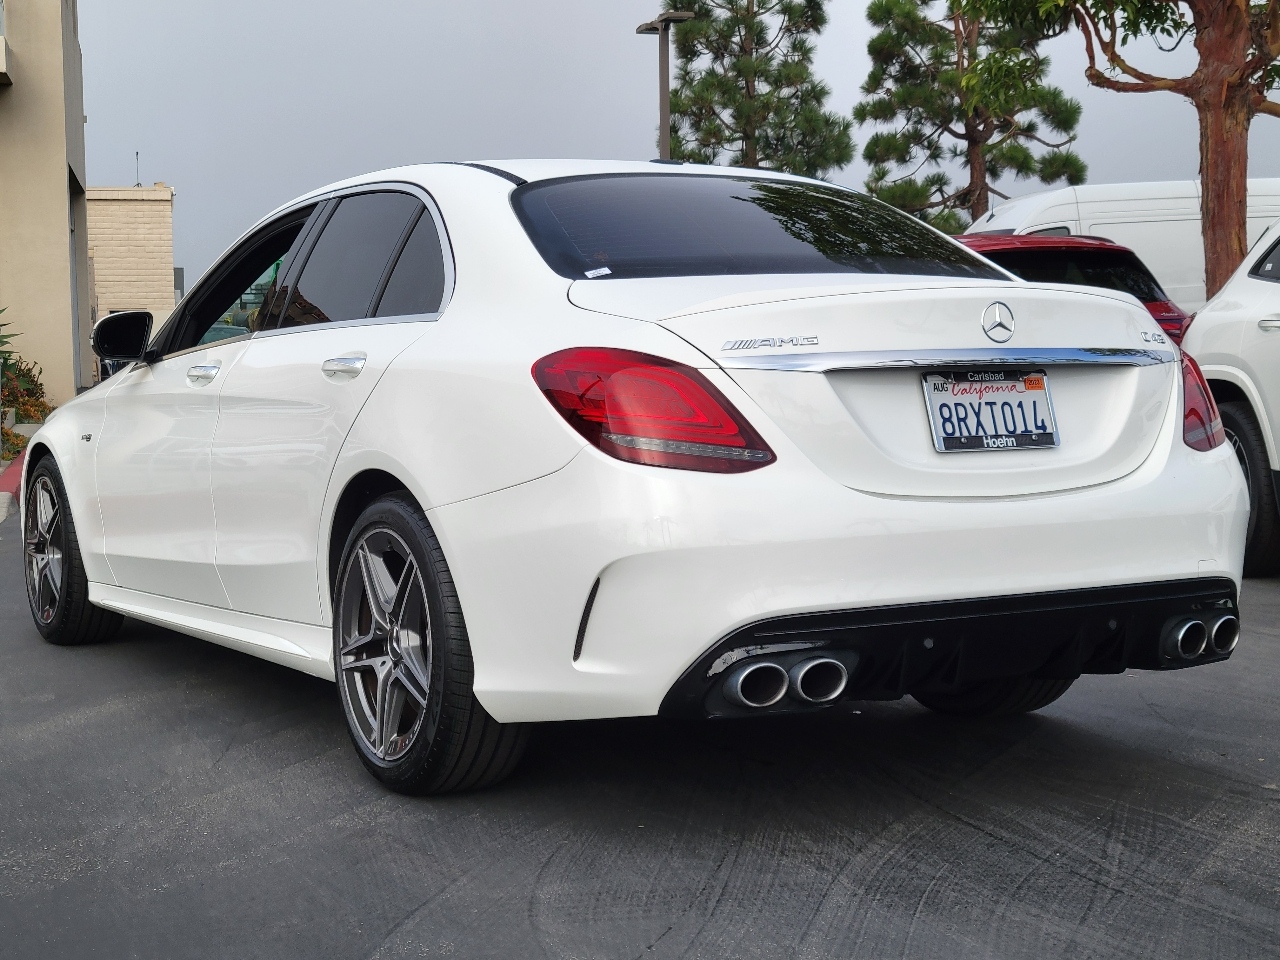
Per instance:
(674,225)
(1112,269)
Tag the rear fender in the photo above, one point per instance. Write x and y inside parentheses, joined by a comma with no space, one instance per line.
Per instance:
(1239,378)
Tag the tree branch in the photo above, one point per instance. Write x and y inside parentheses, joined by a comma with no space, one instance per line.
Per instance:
(1269,107)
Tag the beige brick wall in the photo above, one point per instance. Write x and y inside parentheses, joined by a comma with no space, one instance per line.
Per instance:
(131,243)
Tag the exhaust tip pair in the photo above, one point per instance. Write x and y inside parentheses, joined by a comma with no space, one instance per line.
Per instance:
(1188,639)
(764,683)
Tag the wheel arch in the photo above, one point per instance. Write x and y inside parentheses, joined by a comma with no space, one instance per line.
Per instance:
(1229,384)
(359,491)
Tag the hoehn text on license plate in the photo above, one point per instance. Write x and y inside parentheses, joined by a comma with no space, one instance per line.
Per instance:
(990,410)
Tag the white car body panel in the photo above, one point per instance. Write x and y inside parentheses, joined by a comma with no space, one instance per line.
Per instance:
(1236,338)
(281,426)
(529,515)
(153,476)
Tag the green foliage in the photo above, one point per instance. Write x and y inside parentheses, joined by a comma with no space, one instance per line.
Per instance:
(745,91)
(958,86)
(23,390)
(6,339)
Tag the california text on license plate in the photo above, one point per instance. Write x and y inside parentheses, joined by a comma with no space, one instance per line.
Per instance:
(990,410)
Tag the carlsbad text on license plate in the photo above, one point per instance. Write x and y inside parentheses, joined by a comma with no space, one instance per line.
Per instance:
(973,410)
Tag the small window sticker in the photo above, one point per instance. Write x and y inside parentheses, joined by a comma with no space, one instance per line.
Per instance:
(598,272)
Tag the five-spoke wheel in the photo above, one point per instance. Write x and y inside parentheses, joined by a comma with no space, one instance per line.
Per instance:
(403,662)
(384,657)
(57,585)
(45,537)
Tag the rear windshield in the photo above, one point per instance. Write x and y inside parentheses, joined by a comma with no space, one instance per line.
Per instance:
(1113,269)
(680,225)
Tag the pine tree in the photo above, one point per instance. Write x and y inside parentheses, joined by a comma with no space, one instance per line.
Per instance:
(745,89)
(959,88)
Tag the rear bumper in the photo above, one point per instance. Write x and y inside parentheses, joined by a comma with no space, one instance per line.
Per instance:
(685,560)
(895,650)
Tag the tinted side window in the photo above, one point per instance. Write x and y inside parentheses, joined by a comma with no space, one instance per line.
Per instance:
(349,260)
(417,283)
(232,303)
(1268,268)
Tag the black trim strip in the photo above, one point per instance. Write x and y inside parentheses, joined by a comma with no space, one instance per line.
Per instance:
(586,615)
(505,175)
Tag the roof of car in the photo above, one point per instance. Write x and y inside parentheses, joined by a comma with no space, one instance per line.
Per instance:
(990,242)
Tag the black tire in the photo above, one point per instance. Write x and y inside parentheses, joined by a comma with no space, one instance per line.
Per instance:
(996,698)
(1262,543)
(405,681)
(57,586)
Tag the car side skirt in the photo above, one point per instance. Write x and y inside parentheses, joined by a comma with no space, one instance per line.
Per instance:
(302,646)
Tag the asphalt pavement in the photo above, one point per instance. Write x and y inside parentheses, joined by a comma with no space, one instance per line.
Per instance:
(164,797)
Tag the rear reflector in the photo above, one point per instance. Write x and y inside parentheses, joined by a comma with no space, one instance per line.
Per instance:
(1201,424)
(645,409)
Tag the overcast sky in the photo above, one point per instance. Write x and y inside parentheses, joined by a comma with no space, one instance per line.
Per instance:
(244,104)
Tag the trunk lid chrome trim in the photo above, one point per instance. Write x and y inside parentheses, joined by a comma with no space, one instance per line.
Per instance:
(979,356)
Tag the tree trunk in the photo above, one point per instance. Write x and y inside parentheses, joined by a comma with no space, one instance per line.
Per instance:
(1223,101)
(979,193)
(1224,184)
(750,146)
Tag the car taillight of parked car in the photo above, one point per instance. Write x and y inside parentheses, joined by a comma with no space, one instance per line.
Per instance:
(1171,319)
(1201,424)
(649,410)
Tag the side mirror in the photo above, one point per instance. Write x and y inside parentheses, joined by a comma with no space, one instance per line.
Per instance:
(122,336)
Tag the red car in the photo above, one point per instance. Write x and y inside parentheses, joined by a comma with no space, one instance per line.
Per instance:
(1082,261)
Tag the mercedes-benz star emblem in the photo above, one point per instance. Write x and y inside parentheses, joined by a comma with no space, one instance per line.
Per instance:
(997,322)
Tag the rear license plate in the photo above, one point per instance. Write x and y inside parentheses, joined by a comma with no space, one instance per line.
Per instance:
(990,410)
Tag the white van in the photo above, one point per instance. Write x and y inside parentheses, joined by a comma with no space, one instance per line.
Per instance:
(1160,222)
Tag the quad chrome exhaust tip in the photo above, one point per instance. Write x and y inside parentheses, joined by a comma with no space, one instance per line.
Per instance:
(818,680)
(1186,640)
(1224,634)
(756,685)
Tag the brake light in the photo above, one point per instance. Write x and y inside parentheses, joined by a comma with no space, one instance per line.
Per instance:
(1201,424)
(645,409)
(1171,318)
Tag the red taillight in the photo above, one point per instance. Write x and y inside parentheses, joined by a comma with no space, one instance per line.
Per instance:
(1201,424)
(645,409)
(1171,319)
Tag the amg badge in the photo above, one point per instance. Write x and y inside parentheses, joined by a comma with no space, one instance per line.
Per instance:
(770,342)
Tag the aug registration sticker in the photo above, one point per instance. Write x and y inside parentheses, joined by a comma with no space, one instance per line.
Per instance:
(976,410)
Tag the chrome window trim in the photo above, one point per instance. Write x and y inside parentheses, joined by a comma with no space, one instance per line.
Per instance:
(357,322)
(981,356)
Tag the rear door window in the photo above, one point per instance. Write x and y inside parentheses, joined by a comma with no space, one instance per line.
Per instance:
(417,282)
(347,264)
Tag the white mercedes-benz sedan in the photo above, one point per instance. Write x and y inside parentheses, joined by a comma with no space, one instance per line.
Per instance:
(491,444)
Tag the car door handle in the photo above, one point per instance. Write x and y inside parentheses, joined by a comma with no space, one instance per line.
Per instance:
(203,373)
(344,368)
(1270,323)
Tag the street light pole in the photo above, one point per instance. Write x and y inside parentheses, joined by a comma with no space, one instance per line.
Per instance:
(662,27)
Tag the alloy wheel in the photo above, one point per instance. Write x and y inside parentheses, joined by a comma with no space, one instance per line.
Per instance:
(384,651)
(45,548)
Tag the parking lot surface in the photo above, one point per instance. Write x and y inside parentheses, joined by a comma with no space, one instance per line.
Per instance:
(164,797)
